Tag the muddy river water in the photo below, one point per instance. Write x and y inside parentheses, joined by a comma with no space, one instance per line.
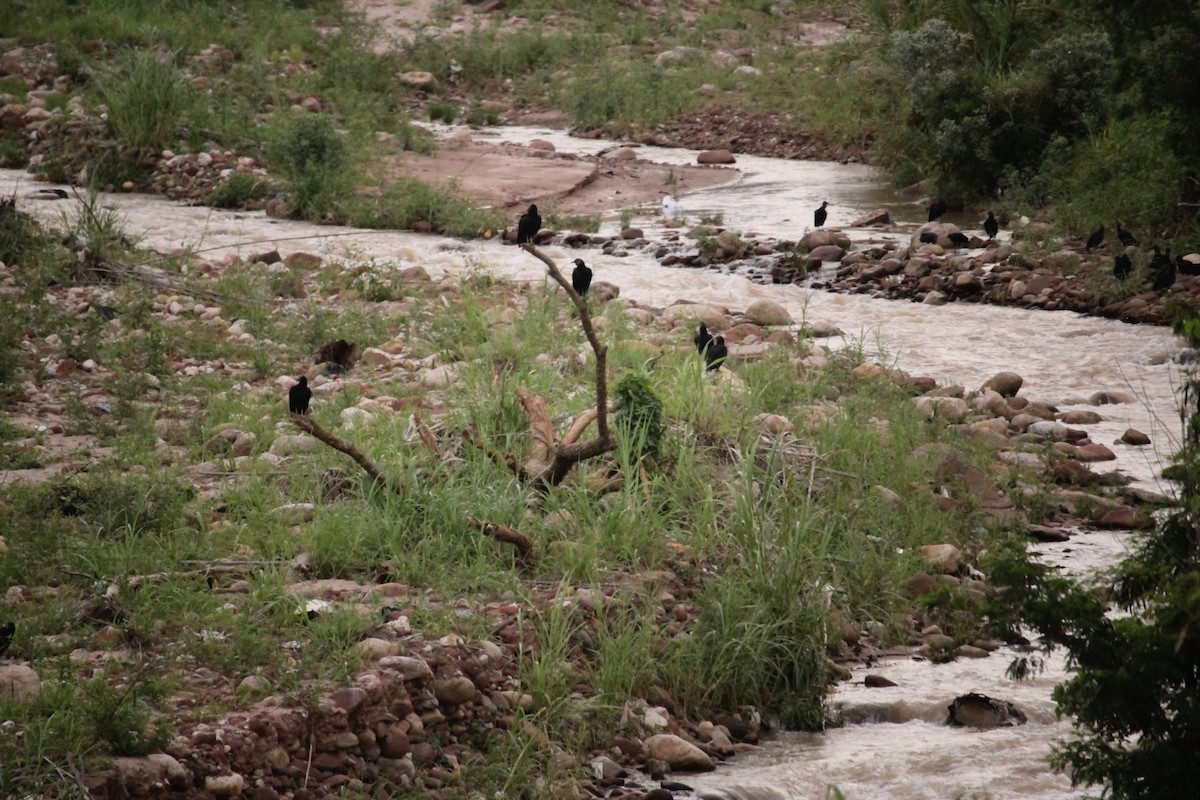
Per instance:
(897,746)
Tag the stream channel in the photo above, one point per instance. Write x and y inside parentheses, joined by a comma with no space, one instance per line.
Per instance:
(896,746)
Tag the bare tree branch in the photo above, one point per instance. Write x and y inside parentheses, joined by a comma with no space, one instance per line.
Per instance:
(589,330)
(503,533)
(309,425)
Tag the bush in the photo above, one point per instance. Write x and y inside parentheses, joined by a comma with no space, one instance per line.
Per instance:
(315,159)
(147,99)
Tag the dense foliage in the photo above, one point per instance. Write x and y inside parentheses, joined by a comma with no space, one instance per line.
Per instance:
(1091,107)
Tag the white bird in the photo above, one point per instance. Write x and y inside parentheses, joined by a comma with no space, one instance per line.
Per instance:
(670,206)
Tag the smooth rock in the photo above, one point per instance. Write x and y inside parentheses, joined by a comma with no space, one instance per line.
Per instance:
(678,753)
(1134,437)
(720,156)
(1006,384)
(944,557)
(767,312)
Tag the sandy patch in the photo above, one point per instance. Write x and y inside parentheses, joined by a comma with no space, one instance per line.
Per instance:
(508,176)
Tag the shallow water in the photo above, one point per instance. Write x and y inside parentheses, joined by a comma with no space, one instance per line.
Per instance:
(1062,356)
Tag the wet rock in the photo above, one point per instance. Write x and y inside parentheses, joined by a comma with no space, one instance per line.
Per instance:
(767,312)
(880,216)
(1109,398)
(878,682)
(604,768)
(678,753)
(1006,384)
(1121,518)
(721,156)
(1081,417)
(1134,437)
(980,711)
(826,252)
(1046,533)
(1094,452)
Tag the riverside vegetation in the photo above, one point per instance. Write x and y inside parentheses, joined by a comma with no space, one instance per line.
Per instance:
(193,555)
(303,109)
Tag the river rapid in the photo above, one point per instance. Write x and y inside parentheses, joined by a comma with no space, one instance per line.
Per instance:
(894,745)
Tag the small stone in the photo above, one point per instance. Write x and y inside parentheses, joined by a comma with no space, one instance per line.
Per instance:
(224,785)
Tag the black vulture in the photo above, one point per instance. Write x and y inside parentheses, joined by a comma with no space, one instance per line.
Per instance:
(581,277)
(990,226)
(298,396)
(1095,239)
(6,634)
(1186,267)
(936,209)
(820,215)
(528,226)
(716,354)
(959,239)
(702,339)
(928,237)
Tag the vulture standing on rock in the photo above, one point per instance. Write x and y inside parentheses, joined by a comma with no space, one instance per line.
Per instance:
(528,226)
(959,239)
(936,209)
(1095,239)
(581,277)
(298,396)
(716,354)
(928,237)
(990,226)
(820,215)
(702,339)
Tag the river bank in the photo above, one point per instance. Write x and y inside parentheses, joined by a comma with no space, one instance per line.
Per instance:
(273,745)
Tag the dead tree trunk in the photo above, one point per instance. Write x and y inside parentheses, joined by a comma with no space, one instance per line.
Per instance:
(550,460)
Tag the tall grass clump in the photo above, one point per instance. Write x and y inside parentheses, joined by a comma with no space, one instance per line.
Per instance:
(408,204)
(147,99)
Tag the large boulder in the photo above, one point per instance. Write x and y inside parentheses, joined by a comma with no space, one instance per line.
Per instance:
(1006,384)
(980,711)
(19,682)
(768,312)
(678,753)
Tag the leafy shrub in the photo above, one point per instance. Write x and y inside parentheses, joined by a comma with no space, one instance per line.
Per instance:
(241,190)
(147,99)
(639,414)
(315,159)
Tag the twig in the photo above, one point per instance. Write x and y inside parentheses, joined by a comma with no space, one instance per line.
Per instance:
(502,533)
(307,424)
